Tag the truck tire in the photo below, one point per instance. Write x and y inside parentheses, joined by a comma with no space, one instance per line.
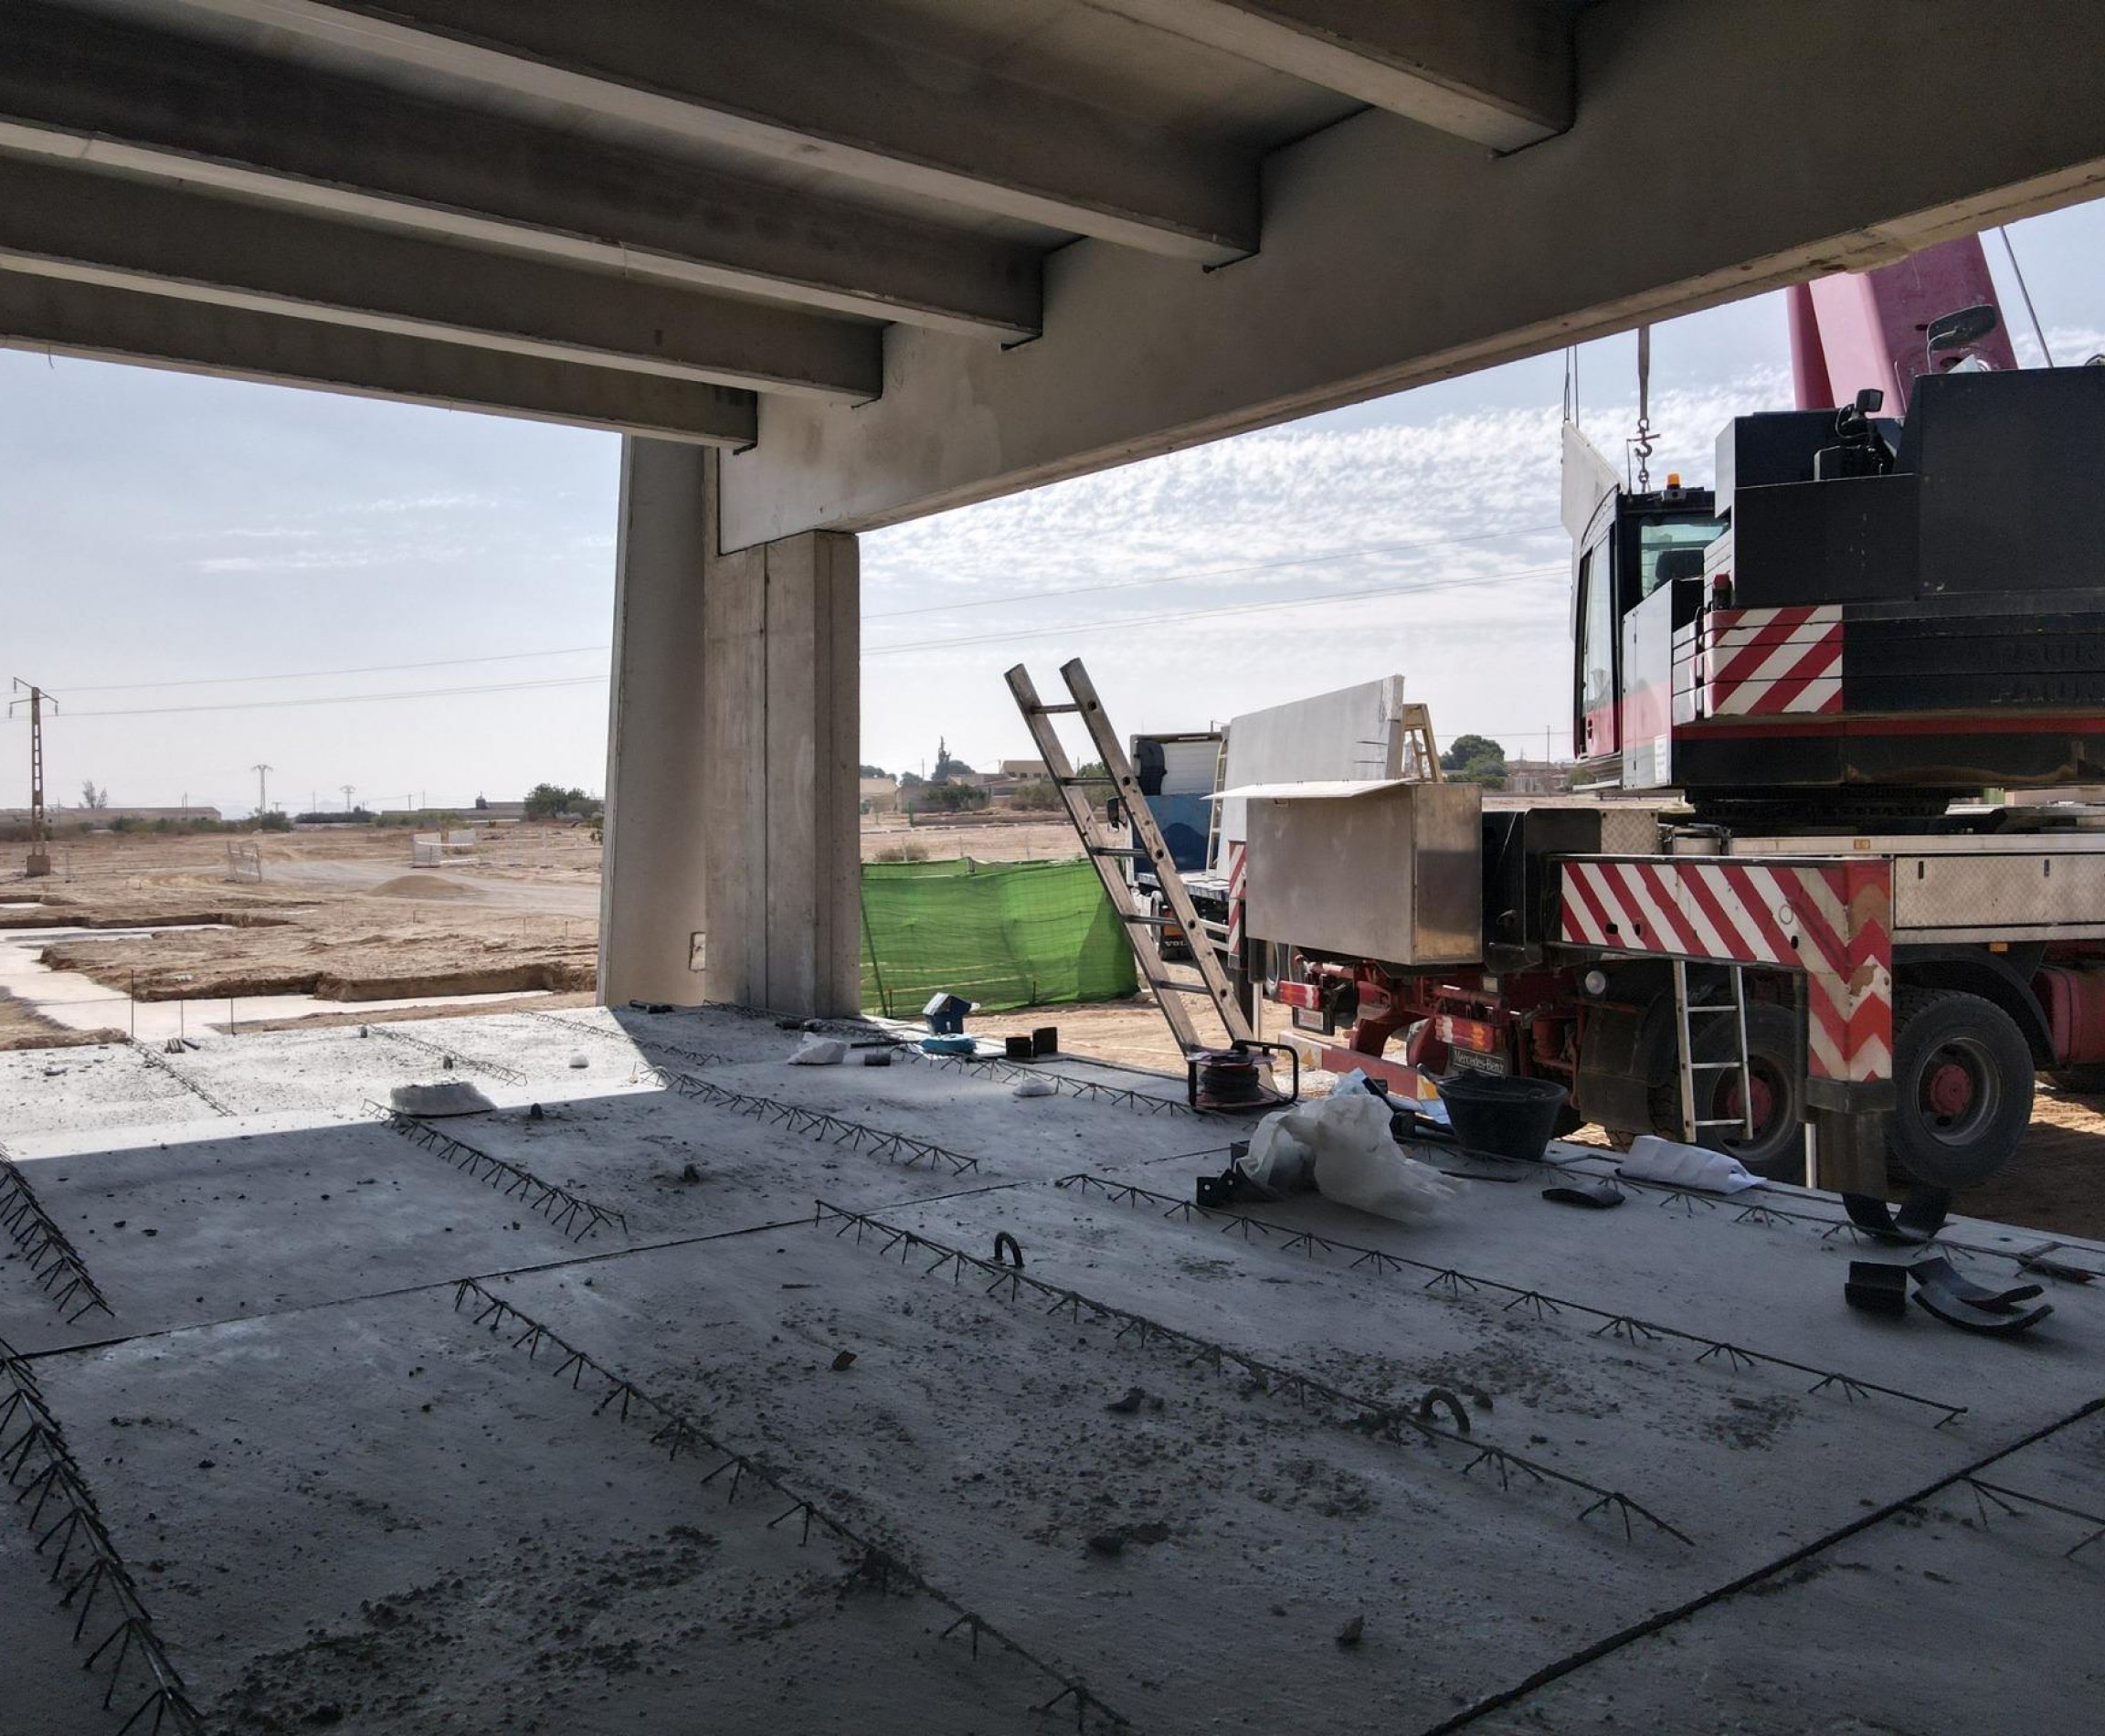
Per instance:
(1962,1083)
(1775,1059)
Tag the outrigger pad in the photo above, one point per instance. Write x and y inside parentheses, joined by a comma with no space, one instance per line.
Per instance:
(1876,1286)
(1955,1311)
(1921,1215)
(1940,1271)
(1598,1194)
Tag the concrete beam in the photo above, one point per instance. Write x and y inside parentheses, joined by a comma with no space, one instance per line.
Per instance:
(1393,257)
(100,228)
(1496,71)
(162,108)
(799,90)
(158,331)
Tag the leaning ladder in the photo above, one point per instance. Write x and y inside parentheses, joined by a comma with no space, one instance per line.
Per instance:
(1143,929)
(1686,1011)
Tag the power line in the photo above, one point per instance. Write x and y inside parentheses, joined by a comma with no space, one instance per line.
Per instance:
(582,650)
(1068,630)
(350,699)
(1216,571)
(310,675)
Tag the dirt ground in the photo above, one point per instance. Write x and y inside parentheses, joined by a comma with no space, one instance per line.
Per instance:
(344,915)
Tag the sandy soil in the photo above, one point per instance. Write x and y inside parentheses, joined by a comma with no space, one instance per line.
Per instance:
(889,838)
(23,1027)
(340,915)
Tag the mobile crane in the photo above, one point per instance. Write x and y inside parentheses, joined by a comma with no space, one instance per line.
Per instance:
(1782,899)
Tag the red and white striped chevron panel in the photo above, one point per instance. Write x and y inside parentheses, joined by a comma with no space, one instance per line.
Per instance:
(1759,662)
(1238,876)
(1832,921)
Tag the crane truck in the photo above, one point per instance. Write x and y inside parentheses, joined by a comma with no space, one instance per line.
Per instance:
(1792,911)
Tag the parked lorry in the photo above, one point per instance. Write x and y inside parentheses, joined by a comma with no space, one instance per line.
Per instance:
(1793,894)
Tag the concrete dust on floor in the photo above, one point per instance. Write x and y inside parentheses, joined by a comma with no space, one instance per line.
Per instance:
(391,1442)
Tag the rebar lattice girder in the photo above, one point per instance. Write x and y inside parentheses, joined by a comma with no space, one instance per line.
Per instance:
(679,1434)
(52,1259)
(877,1141)
(562,1208)
(1537,1304)
(39,1442)
(1385,1421)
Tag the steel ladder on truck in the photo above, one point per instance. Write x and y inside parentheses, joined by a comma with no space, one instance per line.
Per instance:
(1686,1011)
(1142,928)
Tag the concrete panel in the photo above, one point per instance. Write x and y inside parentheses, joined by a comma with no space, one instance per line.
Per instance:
(1498,71)
(102,229)
(1393,256)
(157,331)
(1353,734)
(157,106)
(653,889)
(798,89)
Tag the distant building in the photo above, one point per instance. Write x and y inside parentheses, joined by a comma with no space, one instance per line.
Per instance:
(1538,778)
(1024,770)
(879,795)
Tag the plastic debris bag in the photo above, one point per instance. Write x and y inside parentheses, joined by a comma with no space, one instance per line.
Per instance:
(1357,1162)
(820,1051)
(1035,1088)
(1651,1159)
(1280,1158)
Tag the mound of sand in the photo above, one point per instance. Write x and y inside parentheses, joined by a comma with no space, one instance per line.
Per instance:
(421,887)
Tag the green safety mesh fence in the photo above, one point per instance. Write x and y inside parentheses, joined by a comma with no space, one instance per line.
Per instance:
(1004,934)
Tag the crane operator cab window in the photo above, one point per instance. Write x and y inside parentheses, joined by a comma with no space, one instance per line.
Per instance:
(1668,549)
(1596,649)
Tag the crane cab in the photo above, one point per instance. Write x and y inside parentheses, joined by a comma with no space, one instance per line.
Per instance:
(1637,581)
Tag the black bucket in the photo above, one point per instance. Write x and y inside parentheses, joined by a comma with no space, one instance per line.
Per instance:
(1503,1117)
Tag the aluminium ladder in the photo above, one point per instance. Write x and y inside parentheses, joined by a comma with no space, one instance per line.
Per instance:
(1733,1006)
(1143,929)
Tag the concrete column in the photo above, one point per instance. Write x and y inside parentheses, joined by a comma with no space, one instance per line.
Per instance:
(653,905)
(733,849)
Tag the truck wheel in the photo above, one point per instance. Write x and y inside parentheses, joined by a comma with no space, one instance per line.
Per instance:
(1777,1070)
(1962,1083)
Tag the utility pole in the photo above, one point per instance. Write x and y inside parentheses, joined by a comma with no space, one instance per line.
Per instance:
(347,789)
(39,862)
(262,788)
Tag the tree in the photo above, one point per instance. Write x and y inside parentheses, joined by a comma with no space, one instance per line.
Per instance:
(1464,749)
(947,798)
(1474,759)
(872,771)
(91,797)
(1038,796)
(946,765)
(553,801)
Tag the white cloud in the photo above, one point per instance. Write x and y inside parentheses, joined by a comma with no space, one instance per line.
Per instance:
(1455,520)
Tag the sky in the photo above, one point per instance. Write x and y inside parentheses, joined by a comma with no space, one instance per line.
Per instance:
(212,575)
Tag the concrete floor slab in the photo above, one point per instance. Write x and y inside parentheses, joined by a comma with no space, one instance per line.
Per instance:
(346,1503)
